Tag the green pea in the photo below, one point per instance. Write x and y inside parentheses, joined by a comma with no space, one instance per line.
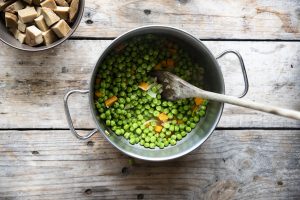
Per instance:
(188,129)
(147,145)
(173,142)
(153,139)
(152,145)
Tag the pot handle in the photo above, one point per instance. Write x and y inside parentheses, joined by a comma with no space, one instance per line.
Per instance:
(242,67)
(69,119)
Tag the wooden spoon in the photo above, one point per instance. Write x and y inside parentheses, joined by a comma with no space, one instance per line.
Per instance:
(175,88)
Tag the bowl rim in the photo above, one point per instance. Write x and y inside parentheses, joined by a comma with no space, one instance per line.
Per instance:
(58,42)
(93,110)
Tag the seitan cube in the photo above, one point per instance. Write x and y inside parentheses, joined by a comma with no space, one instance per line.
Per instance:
(41,24)
(15,7)
(33,36)
(5,3)
(15,32)
(39,11)
(49,37)
(49,16)
(61,29)
(11,20)
(28,1)
(49,4)
(21,37)
(62,12)
(27,14)
(22,26)
(73,10)
(36,2)
(62,3)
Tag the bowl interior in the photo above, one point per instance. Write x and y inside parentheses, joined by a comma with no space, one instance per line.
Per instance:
(9,39)
(213,80)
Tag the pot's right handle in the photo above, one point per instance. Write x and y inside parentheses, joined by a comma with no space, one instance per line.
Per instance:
(69,119)
(242,67)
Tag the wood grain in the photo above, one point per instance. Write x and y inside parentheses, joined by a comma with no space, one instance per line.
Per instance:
(244,19)
(32,89)
(230,165)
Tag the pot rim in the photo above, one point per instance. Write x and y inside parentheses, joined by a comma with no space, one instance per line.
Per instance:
(93,111)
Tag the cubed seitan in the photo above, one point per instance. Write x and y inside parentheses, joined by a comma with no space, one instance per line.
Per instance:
(36,2)
(11,20)
(61,29)
(33,36)
(73,10)
(62,12)
(49,37)
(39,11)
(15,7)
(22,26)
(49,4)
(21,37)
(62,3)
(41,24)
(49,16)
(29,2)
(27,15)
(5,3)
(15,32)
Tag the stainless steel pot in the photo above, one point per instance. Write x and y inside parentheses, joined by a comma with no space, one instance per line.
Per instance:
(213,80)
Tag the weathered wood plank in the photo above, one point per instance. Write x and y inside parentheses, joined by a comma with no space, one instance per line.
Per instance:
(32,85)
(244,19)
(230,165)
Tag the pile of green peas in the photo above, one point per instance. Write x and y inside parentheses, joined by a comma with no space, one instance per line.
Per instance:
(135,111)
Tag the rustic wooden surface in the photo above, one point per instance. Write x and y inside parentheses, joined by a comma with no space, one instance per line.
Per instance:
(231,164)
(243,19)
(251,155)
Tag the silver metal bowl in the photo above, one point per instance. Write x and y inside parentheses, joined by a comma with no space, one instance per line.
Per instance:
(213,80)
(8,38)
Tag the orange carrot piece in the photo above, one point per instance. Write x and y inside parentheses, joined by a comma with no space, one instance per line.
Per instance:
(110,101)
(198,101)
(97,81)
(120,47)
(163,63)
(179,121)
(170,63)
(98,94)
(144,86)
(158,66)
(158,128)
(163,117)
(172,51)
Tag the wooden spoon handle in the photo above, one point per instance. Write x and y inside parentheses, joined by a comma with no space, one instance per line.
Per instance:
(248,104)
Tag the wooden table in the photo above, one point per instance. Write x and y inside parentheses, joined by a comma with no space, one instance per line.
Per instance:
(251,155)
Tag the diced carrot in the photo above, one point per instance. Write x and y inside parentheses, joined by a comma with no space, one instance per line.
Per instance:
(158,128)
(163,117)
(198,101)
(172,51)
(170,62)
(109,102)
(97,81)
(195,108)
(98,94)
(158,66)
(144,86)
(120,47)
(179,121)
(163,63)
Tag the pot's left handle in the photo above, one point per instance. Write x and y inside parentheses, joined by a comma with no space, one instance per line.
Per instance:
(69,119)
